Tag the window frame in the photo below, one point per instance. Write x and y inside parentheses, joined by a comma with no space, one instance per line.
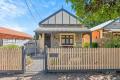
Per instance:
(67,34)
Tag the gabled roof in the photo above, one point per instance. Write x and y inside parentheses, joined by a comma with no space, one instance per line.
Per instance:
(103,25)
(62,9)
(6,33)
(61,21)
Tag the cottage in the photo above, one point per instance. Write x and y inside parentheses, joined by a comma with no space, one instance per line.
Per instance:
(105,30)
(61,29)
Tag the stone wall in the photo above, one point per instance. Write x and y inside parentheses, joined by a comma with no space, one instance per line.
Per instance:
(55,40)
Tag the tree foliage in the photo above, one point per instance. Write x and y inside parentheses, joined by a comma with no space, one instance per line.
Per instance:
(94,12)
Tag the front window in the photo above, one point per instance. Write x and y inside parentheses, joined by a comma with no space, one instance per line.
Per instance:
(67,40)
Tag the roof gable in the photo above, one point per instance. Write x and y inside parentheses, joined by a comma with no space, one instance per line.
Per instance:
(109,24)
(101,25)
(114,25)
(62,16)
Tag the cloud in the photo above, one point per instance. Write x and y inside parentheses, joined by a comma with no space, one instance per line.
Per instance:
(15,27)
(48,4)
(11,9)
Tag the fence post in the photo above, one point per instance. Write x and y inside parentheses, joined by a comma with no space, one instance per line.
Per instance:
(23,60)
(46,53)
(90,39)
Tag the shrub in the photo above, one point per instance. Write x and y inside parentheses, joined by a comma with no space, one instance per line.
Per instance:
(10,46)
(87,45)
(95,45)
(113,43)
(28,60)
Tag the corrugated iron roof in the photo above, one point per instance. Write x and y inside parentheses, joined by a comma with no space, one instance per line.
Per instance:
(62,28)
(107,24)
(101,25)
(12,34)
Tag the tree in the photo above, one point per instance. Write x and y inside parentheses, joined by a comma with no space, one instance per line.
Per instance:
(94,12)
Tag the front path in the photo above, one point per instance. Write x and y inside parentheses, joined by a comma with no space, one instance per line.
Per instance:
(36,66)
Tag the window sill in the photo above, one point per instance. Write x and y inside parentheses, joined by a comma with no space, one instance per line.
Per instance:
(66,45)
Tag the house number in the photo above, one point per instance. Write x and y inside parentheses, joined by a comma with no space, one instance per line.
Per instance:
(53,54)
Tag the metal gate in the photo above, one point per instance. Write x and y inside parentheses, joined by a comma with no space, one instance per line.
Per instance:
(37,63)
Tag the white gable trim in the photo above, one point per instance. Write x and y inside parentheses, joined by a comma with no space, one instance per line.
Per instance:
(104,24)
(101,25)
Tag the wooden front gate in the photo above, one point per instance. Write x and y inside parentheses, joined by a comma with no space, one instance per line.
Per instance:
(74,59)
(12,60)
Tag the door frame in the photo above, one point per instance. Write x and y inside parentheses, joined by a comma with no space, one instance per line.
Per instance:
(49,40)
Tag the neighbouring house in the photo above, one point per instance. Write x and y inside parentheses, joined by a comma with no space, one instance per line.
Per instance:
(61,29)
(9,36)
(105,30)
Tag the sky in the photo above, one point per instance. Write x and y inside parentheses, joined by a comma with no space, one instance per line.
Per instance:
(14,14)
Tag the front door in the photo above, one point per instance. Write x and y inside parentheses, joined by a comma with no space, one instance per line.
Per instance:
(48,40)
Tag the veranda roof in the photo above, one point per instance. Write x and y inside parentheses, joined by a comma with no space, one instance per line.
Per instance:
(114,30)
(6,33)
(61,28)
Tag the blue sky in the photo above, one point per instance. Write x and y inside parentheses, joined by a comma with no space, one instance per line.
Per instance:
(14,14)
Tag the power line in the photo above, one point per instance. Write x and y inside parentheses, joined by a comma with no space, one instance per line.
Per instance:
(30,11)
(34,8)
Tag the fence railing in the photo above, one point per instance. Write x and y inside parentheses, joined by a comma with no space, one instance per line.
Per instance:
(11,60)
(62,59)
